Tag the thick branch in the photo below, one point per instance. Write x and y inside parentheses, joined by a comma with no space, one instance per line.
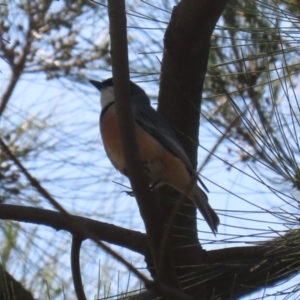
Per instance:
(130,239)
(148,205)
(186,51)
(184,64)
(10,288)
(236,272)
(249,268)
(105,232)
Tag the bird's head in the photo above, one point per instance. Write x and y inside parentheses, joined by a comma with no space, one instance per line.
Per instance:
(106,88)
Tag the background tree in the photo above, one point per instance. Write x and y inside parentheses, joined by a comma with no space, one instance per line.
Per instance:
(248,131)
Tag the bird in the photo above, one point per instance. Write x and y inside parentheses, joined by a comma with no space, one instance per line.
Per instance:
(165,162)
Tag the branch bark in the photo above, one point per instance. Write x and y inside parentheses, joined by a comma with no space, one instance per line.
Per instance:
(236,272)
(130,239)
(10,288)
(184,64)
(75,266)
(149,207)
(156,286)
(225,273)
(232,271)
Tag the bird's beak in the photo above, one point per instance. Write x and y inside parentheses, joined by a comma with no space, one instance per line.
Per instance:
(97,84)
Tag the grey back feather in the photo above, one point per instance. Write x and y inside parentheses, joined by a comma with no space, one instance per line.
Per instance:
(152,122)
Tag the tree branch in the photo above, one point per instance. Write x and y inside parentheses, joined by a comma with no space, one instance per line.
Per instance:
(246,266)
(241,270)
(184,64)
(130,239)
(10,288)
(158,287)
(149,207)
(17,69)
(75,266)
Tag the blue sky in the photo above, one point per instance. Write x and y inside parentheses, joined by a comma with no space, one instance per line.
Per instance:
(75,169)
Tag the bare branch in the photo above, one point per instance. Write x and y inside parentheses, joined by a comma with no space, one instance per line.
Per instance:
(184,64)
(130,239)
(83,231)
(10,288)
(148,205)
(75,266)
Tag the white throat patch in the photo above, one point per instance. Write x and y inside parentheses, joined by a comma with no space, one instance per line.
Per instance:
(107,96)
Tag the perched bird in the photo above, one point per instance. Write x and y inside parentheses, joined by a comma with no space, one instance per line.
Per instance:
(164,159)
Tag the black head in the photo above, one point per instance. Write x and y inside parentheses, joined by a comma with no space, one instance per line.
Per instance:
(100,85)
(134,88)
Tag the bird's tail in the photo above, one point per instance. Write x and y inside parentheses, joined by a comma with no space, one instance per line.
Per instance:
(201,201)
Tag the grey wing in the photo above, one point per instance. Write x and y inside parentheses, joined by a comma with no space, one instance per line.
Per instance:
(152,122)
